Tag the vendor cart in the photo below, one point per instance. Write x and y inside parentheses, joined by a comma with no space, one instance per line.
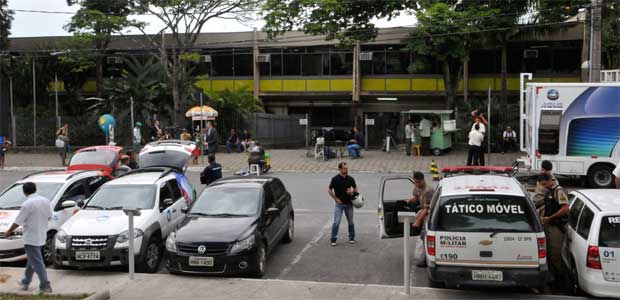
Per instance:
(442,131)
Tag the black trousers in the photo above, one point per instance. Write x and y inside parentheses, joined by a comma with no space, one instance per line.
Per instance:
(473,155)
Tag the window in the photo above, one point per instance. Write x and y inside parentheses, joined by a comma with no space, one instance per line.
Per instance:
(76,192)
(276,65)
(585,222)
(222,65)
(94,183)
(175,190)
(397,62)
(268,196)
(484,213)
(264,69)
(573,214)
(341,63)
(312,64)
(292,65)
(243,65)
(609,235)
(482,62)
(231,202)
(566,60)
(115,197)
(164,193)
(278,191)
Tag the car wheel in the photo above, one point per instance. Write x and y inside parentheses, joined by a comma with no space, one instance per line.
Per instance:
(436,151)
(47,251)
(290,231)
(435,284)
(573,280)
(601,176)
(260,261)
(152,257)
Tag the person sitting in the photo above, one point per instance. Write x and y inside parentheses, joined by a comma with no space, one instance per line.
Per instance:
(509,140)
(246,140)
(233,141)
(354,149)
(257,156)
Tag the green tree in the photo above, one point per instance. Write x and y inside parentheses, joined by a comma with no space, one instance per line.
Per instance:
(98,20)
(611,35)
(185,19)
(233,104)
(75,64)
(6,17)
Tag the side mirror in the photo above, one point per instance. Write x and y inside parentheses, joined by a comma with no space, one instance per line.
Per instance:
(68,204)
(185,210)
(272,211)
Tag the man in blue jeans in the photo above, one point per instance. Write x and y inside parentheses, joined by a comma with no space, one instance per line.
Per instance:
(343,189)
(33,217)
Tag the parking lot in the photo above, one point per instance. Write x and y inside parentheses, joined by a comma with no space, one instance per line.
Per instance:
(310,257)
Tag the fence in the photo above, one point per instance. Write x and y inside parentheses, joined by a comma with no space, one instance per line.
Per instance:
(277,130)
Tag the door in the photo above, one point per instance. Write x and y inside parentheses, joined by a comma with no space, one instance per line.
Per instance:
(580,240)
(609,247)
(179,203)
(393,195)
(165,203)
(571,230)
(78,192)
(272,220)
(280,201)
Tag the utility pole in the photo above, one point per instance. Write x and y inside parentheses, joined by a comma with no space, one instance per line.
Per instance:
(34,103)
(595,41)
(255,69)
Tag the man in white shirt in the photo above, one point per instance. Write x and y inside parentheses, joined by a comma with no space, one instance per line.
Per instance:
(509,140)
(475,141)
(33,217)
(408,136)
(137,137)
(617,174)
(425,133)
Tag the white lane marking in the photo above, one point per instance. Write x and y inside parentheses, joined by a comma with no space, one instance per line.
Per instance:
(309,245)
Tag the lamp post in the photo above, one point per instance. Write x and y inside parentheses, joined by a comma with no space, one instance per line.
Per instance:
(56,88)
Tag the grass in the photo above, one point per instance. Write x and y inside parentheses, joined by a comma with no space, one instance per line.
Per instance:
(41,297)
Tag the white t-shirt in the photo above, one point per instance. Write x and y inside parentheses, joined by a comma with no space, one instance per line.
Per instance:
(33,216)
(511,134)
(408,131)
(425,127)
(482,128)
(617,170)
(475,138)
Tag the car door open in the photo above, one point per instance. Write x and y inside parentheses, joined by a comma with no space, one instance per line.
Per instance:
(393,195)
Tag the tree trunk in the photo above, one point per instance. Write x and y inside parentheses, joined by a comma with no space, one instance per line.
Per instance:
(99,78)
(175,87)
(504,93)
(448,84)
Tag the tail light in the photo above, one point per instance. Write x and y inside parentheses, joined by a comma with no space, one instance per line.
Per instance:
(593,261)
(538,154)
(430,244)
(542,247)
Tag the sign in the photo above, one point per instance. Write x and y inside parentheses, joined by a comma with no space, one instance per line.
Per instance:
(303,122)
(370,122)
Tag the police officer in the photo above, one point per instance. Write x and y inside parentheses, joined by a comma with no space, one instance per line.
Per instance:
(212,172)
(546,167)
(554,219)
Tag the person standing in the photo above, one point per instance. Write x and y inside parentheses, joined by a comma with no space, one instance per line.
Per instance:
(212,172)
(616,173)
(554,219)
(475,141)
(211,138)
(33,217)
(4,147)
(343,190)
(63,134)
(509,140)
(481,121)
(540,191)
(137,137)
(408,136)
(156,132)
(425,134)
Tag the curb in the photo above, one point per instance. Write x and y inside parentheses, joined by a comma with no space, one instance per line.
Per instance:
(101,295)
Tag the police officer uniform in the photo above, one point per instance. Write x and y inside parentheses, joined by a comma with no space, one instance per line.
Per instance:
(555,230)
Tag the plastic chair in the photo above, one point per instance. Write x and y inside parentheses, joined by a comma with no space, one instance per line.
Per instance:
(319,148)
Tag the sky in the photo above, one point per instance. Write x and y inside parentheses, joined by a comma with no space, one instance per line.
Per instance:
(30,24)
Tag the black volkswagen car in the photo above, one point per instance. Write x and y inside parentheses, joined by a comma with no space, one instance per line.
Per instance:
(232,227)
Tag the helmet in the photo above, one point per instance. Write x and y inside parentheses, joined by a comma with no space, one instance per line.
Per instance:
(358,201)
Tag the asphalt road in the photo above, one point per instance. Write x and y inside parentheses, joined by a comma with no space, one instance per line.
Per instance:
(310,257)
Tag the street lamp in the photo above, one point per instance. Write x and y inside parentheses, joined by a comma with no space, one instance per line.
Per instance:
(56,86)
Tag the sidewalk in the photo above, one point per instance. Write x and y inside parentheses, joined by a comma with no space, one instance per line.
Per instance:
(295,161)
(163,286)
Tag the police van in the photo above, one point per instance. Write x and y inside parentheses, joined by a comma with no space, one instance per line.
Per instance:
(483,230)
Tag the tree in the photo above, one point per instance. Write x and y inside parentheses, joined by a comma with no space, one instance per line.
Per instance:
(185,19)
(98,20)
(6,17)
(231,104)
(74,65)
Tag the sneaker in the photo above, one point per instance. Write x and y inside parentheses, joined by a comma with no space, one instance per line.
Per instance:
(45,290)
(22,286)
(333,244)
(351,242)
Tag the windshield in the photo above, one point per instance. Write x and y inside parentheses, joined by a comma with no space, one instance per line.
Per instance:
(228,202)
(115,197)
(14,196)
(610,232)
(94,157)
(484,213)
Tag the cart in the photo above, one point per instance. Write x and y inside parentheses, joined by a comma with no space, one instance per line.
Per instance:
(441,136)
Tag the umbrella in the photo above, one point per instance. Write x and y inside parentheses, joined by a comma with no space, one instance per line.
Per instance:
(202,113)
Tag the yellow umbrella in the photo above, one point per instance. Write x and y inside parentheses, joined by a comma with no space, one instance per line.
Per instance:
(202,113)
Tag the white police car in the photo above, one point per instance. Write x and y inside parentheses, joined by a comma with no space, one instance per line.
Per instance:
(591,250)
(97,236)
(483,230)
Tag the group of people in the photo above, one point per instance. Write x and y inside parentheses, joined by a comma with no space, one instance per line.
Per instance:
(475,156)
(239,142)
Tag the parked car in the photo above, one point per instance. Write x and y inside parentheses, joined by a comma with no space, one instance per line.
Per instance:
(481,230)
(97,236)
(66,190)
(232,227)
(591,250)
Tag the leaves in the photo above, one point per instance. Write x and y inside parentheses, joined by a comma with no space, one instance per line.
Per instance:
(6,17)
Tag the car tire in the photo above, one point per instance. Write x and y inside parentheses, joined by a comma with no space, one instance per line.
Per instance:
(601,176)
(47,251)
(152,257)
(290,231)
(260,261)
(435,284)
(573,280)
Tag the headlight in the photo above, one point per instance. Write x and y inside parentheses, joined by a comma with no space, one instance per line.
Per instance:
(171,242)
(61,236)
(243,244)
(124,236)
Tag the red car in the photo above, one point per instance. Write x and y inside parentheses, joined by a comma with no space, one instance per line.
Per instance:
(103,158)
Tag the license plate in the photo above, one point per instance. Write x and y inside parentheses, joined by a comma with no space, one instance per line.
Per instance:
(201,261)
(485,275)
(87,255)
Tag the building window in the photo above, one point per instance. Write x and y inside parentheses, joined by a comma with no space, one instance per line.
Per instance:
(566,60)
(312,64)
(222,65)
(397,62)
(378,63)
(292,65)
(482,62)
(341,63)
(276,64)
(243,65)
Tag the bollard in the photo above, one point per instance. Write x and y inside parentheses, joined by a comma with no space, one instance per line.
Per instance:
(434,170)
(406,217)
(131,212)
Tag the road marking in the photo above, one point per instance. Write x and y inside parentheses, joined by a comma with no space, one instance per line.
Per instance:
(309,245)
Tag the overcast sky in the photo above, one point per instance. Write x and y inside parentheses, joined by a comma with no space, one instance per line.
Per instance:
(26,24)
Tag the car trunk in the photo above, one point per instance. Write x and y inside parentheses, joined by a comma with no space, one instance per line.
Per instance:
(609,247)
(170,154)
